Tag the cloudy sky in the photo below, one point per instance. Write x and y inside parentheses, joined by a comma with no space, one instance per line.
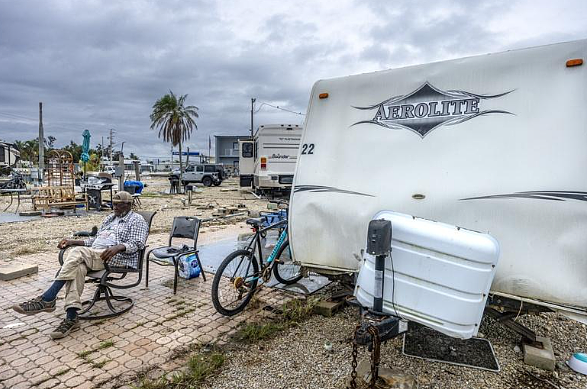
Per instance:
(101,64)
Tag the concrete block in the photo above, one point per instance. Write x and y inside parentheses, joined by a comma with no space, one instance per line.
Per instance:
(388,378)
(327,308)
(542,358)
(396,379)
(15,270)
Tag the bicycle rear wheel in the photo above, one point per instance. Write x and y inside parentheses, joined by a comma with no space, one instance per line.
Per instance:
(235,282)
(285,270)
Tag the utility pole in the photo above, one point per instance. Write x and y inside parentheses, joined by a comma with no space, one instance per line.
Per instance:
(252,112)
(101,153)
(111,137)
(41,145)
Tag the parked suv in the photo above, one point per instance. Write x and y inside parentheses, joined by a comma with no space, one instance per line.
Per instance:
(207,174)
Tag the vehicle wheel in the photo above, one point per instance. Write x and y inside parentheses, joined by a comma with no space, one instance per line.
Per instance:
(207,181)
(285,270)
(235,282)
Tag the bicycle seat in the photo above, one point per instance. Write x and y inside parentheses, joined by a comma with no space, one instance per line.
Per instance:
(256,222)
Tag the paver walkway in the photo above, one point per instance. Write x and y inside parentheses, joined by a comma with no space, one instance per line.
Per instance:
(103,353)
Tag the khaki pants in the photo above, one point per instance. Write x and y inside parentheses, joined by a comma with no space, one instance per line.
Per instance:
(79,261)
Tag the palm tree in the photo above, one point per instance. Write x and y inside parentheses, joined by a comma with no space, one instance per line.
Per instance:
(174,121)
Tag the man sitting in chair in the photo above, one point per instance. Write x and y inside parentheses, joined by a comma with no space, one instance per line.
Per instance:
(117,243)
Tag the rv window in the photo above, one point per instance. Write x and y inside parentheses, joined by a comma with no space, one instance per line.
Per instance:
(200,168)
(247,150)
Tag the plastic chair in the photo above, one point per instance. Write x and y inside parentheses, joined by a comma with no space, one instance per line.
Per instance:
(183,227)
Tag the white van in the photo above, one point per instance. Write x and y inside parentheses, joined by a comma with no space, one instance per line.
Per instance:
(269,160)
(492,143)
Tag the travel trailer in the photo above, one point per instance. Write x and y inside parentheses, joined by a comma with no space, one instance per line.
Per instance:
(9,154)
(269,160)
(491,143)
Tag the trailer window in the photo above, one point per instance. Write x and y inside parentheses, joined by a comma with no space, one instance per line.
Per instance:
(247,150)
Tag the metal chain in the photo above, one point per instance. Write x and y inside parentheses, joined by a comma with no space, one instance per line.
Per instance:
(375,354)
(375,357)
(353,383)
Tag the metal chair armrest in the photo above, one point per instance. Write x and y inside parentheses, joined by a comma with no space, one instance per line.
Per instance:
(62,254)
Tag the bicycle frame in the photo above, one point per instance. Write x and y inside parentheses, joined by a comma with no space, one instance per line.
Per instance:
(257,242)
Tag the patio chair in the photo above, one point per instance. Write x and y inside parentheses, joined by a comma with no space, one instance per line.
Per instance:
(183,227)
(105,278)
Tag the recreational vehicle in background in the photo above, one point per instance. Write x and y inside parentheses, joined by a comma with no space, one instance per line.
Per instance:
(491,143)
(9,154)
(267,162)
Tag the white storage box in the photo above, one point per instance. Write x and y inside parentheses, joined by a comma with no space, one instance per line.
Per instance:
(437,275)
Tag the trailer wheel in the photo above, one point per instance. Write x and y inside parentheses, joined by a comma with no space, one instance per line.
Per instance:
(207,181)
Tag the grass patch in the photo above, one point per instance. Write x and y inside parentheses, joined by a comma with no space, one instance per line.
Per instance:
(180,314)
(254,332)
(106,344)
(200,366)
(297,311)
(85,353)
(291,314)
(61,372)
(102,346)
(101,364)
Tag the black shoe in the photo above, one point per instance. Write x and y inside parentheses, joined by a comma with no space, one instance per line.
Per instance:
(34,306)
(66,326)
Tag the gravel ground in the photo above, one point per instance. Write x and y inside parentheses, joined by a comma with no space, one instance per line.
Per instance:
(38,235)
(297,358)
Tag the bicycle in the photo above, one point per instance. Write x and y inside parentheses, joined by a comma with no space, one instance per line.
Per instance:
(236,279)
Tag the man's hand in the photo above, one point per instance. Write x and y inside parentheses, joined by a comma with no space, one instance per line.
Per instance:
(63,243)
(107,254)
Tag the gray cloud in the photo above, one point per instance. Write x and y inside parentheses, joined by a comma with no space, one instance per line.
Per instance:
(101,65)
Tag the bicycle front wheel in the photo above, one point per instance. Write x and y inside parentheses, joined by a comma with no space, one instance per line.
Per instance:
(235,282)
(285,270)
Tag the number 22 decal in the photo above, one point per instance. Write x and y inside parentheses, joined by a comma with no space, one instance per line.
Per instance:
(308,148)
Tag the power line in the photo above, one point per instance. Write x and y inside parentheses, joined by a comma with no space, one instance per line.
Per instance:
(13,116)
(53,126)
(280,108)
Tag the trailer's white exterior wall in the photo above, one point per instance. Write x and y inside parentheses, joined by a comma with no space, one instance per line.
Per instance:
(493,143)
(275,155)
